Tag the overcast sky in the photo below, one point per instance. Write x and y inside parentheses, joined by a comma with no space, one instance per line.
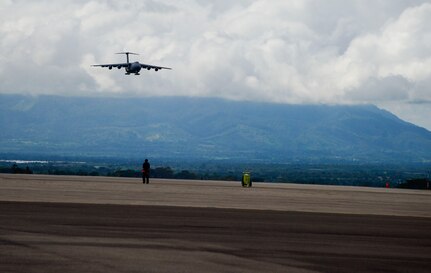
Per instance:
(295,51)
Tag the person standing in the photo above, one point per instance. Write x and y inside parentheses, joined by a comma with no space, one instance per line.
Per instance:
(146,172)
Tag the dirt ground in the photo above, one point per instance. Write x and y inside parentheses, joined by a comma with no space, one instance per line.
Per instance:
(100,224)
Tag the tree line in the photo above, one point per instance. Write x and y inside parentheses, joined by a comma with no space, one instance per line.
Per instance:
(371,176)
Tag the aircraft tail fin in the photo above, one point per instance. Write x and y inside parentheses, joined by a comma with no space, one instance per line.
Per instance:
(127,54)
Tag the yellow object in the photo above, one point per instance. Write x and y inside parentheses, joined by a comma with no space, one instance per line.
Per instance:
(246,179)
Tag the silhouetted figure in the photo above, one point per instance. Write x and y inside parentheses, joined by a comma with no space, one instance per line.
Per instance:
(146,172)
(15,168)
(28,171)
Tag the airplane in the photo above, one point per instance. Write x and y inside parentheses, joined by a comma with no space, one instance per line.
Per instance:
(134,67)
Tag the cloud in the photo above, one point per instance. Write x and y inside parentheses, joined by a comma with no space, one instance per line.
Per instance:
(400,50)
(382,89)
(284,51)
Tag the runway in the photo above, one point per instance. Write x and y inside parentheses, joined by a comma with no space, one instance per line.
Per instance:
(100,224)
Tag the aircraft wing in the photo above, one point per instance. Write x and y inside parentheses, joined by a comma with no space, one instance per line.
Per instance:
(150,66)
(112,65)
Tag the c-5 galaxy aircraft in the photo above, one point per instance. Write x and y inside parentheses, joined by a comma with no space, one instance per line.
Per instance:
(134,67)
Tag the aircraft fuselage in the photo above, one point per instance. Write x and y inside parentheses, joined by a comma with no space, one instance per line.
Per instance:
(133,68)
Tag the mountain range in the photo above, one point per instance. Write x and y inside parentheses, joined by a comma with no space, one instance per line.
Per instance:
(206,129)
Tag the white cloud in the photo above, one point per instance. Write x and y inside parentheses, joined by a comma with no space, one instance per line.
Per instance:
(303,51)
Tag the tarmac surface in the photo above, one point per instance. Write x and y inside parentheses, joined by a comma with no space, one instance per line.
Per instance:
(101,224)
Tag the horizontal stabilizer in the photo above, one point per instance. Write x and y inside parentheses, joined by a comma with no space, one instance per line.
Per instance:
(127,53)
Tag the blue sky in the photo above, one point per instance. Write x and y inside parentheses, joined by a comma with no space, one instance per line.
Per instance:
(334,52)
